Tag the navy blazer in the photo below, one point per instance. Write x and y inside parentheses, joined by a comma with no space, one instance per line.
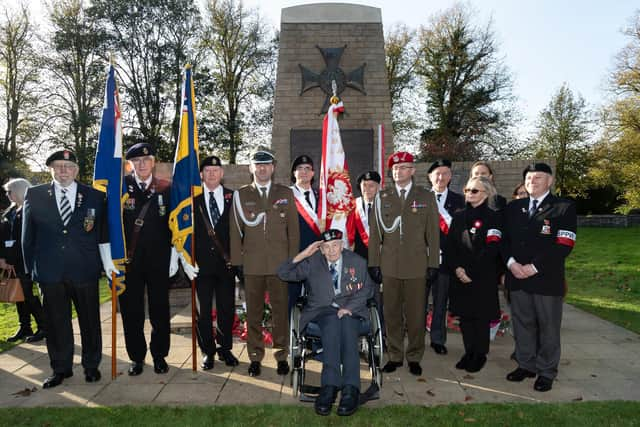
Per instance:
(208,257)
(54,252)
(453,204)
(355,284)
(544,240)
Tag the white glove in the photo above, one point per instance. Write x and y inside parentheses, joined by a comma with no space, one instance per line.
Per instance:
(107,261)
(173,264)
(190,270)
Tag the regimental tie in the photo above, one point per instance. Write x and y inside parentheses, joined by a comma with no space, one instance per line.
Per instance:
(308,198)
(213,209)
(439,196)
(534,207)
(403,193)
(368,209)
(143,186)
(335,276)
(65,207)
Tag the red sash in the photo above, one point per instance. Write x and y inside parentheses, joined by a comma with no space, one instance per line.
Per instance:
(307,218)
(360,227)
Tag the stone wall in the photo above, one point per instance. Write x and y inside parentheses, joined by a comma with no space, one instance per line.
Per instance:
(613,221)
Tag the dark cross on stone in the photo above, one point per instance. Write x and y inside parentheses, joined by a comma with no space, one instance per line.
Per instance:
(332,56)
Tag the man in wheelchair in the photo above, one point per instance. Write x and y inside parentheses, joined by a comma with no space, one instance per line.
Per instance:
(338,286)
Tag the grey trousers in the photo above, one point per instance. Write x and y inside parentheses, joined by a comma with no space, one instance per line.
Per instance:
(440,297)
(536,326)
(339,349)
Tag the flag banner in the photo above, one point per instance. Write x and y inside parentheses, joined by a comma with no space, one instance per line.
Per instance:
(336,196)
(381,155)
(108,175)
(186,174)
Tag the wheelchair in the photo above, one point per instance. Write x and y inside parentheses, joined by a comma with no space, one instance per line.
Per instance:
(306,345)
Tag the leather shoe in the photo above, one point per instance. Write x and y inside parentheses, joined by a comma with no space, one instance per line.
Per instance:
(415,368)
(207,362)
(135,368)
(54,380)
(391,366)
(92,375)
(462,363)
(283,367)
(160,365)
(20,334)
(325,399)
(254,369)
(543,384)
(476,363)
(439,348)
(38,336)
(228,358)
(520,374)
(349,399)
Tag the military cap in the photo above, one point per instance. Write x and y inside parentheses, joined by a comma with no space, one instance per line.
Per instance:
(369,176)
(537,167)
(399,157)
(439,163)
(210,161)
(301,160)
(62,155)
(262,155)
(332,234)
(140,149)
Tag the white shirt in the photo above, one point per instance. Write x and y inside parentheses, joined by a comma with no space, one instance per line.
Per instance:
(443,197)
(312,196)
(338,265)
(147,182)
(407,188)
(72,190)
(539,199)
(218,195)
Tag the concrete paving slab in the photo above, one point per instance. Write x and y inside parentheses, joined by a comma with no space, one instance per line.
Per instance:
(189,394)
(116,394)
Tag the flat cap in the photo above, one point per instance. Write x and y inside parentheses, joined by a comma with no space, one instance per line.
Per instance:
(439,163)
(536,167)
(210,161)
(140,149)
(62,155)
(399,157)
(332,234)
(369,176)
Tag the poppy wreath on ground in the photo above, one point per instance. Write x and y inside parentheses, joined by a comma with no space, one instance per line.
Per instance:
(453,323)
(239,328)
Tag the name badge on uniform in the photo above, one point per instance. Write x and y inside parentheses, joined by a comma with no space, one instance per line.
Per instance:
(546,227)
(89,220)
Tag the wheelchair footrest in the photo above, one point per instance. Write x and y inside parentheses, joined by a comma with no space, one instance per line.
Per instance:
(309,389)
(372,393)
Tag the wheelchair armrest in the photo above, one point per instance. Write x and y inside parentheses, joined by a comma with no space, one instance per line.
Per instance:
(301,301)
(371,302)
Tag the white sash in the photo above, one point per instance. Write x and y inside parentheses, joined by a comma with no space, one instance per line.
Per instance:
(362,214)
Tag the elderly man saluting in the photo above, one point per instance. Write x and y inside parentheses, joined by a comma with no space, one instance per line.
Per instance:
(338,286)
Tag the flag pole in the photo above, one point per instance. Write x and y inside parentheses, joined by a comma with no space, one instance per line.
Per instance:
(113,325)
(194,354)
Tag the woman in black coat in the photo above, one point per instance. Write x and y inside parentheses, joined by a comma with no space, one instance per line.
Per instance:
(472,257)
(11,256)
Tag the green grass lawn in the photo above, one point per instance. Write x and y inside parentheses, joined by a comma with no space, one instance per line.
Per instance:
(9,316)
(508,414)
(603,273)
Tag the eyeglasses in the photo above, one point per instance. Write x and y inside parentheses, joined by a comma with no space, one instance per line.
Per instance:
(395,168)
(63,167)
(522,194)
(472,191)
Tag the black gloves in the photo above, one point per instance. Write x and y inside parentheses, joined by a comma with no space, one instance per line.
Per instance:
(376,274)
(238,271)
(432,274)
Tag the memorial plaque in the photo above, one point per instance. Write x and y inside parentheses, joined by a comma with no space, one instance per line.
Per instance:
(357,143)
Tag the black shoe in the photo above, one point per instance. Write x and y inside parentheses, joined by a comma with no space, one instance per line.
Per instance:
(38,336)
(513,356)
(349,399)
(391,366)
(283,367)
(325,399)
(439,348)
(160,365)
(21,333)
(254,369)
(476,363)
(54,380)
(135,368)
(462,363)
(415,368)
(207,362)
(520,374)
(543,384)
(92,375)
(228,358)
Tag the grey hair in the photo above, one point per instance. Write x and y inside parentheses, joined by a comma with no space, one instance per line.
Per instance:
(18,187)
(489,189)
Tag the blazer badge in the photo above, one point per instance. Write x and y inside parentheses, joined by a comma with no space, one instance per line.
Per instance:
(89,220)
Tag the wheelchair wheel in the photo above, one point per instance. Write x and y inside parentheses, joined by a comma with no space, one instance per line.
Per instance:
(296,373)
(294,336)
(377,350)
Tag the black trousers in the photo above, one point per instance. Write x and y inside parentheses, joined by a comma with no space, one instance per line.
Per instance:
(31,305)
(154,278)
(222,284)
(475,335)
(57,314)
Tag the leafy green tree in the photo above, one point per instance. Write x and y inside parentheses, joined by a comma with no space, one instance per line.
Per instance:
(468,88)
(564,130)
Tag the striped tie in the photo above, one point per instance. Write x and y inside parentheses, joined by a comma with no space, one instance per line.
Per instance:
(65,207)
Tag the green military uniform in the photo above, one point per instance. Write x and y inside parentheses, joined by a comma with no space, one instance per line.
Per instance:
(404,240)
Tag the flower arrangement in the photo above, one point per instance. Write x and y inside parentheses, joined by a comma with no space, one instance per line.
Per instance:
(452,321)
(239,328)
(499,326)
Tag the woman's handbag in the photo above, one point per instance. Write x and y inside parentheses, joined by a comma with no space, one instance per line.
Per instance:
(10,286)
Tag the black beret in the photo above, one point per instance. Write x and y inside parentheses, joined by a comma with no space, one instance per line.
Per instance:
(262,156)
(210,161)
(438,163)
(369,176)
(140,149)
(537,167)
(301,160)
(62,155)
(332,234)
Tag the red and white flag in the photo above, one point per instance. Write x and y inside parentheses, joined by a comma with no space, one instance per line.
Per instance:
(336,196)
